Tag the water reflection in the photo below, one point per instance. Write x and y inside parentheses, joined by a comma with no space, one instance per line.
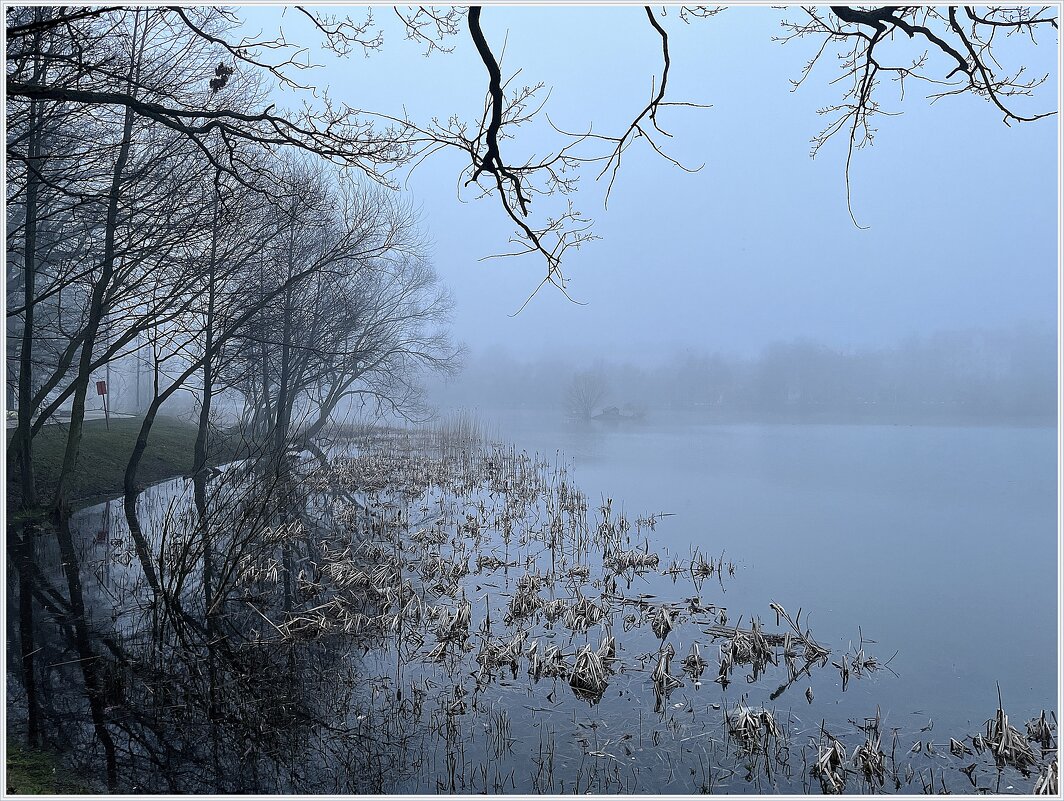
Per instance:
(421,612)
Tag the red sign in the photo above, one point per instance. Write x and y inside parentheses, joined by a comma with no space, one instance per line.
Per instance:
(101,387)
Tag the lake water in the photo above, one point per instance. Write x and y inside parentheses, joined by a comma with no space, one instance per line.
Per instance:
(932,548)
(940,543)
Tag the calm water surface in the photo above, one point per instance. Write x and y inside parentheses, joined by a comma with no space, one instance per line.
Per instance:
(940,543)
(937,543)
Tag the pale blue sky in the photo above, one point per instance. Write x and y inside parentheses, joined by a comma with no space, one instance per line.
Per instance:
(758,246)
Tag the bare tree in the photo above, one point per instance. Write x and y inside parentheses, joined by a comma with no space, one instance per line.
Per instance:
(585,393)
(968,40)
(360,329)
(378,143)
(959,51)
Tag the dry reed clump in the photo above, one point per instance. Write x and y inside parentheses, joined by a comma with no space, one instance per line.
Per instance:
(1008,746)
(535,669)
(696,607)
(744,724)
(858,664)
(814,651)
(607,529)
(662,622)
(664,681)
(430,566)
(752,728)
(745,647)
(524,601)
(448,575)
(496,653)
(554,664)
(607,650)
(1040,730)
(550,662)
(454,627)
(1048,782)
(427,537)
(489,563)
(829,766)
(958,749)
(675,569)
(582,572)
(694,664)
(632,560)
(868,756)
(552,610)
(651,521)
(588,678)
(584,614)
(471,525)
(702,568)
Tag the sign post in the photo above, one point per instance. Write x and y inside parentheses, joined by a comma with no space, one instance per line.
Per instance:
(101,390)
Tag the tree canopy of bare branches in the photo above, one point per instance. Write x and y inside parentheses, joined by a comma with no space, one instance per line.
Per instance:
(959,50)
(949,51)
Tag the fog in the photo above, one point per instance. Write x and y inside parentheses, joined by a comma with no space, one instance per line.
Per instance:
(410,423)
(940,292)
(757,247)
(960,376)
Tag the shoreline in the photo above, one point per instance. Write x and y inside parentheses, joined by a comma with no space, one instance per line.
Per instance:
(104,452)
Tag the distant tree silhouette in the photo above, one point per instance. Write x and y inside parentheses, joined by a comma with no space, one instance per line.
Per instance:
(585,393)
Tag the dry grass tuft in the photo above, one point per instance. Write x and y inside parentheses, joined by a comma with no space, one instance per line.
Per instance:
(1008,746)
(1048,781)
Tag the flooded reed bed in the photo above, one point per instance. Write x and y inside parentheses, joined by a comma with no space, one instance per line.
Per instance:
(424,611)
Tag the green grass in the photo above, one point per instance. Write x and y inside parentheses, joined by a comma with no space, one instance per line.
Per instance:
(33,772)
(103,456)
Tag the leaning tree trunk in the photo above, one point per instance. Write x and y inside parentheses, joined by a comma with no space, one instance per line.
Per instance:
(96,311)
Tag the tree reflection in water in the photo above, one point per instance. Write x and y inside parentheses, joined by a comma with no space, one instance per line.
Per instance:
(417,612)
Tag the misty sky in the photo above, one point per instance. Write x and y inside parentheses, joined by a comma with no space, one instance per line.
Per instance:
(757,246)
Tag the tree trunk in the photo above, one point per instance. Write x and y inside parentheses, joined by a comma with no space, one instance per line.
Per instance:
(89,661)
(199,477)
(27,636)
(280,431)
(23,437)
(96,311)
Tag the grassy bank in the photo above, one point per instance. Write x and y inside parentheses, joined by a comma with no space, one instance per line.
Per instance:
(33,772)
(104,454)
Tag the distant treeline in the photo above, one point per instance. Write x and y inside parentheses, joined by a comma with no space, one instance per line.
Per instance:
(965,374)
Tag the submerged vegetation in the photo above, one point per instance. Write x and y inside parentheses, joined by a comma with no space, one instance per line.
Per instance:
(399,613)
